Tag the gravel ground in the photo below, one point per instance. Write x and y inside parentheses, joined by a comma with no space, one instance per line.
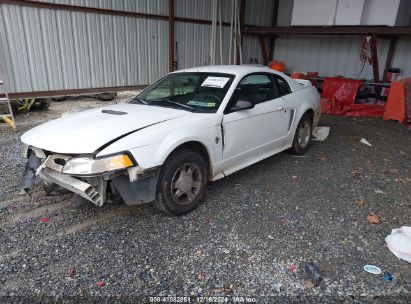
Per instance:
(250,237)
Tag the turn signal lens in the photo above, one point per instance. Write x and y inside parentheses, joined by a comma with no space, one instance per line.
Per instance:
(117,162)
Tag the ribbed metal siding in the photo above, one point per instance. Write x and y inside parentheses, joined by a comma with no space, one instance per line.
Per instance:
(53,50)
(402,58)
(332,55)
(44,49)
(200,9)
(194,45)
(252,50)
(256,13)
(328,54)
(259,12)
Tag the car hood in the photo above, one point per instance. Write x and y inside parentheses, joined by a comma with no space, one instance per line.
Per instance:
(88,131)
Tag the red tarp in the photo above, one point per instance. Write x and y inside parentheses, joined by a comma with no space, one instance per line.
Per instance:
(339,98)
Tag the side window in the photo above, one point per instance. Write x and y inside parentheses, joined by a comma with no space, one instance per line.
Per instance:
(282,85)
(256,88)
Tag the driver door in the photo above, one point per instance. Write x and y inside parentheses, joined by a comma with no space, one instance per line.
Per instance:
(250,135)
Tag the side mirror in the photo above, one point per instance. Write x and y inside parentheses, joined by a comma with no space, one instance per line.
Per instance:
(242,105)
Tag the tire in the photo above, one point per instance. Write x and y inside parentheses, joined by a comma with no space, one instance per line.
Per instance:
(106,96)
(59,98)
(182,183)
(302,136)
(41,104)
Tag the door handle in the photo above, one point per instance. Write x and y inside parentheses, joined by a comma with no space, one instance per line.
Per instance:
(279,108)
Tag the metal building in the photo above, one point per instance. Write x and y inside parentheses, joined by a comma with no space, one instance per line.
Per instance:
(73,46)
(61,47)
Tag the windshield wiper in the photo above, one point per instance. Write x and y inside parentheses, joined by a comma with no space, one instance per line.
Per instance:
(139,100)
(175,103)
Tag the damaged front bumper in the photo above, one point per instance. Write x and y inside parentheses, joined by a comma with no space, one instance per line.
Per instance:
(135,186)
(93,190)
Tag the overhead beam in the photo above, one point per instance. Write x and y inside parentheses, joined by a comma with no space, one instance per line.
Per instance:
(329,30)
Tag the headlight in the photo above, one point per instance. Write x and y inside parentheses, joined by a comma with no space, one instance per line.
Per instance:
(86,165)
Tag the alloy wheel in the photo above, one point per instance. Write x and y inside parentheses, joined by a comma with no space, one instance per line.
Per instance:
(304,134)
(186,183)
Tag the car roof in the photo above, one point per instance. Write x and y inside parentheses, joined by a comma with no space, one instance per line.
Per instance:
(240,71)
(237,70)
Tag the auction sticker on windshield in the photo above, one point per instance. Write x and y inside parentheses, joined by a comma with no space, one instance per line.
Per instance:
(201,104)
(215,82)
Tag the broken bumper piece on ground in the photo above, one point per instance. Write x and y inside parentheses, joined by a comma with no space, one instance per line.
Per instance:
(29,174)
(133,185)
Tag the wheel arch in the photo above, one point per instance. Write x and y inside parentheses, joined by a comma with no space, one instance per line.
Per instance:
(195,146)
(310,112)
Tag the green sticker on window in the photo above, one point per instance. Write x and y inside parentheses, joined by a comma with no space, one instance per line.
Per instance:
(201,104)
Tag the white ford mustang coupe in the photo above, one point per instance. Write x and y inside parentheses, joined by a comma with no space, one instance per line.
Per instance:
(165,144)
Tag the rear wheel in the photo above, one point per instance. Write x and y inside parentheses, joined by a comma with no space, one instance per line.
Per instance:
(302,136)
(182,183)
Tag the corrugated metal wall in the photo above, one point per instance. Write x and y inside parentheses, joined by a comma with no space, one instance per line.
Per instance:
(402,58)
(44,49)
(55,50)
(327,54)
(257,13)
(201,9)
(193,40)
(333,55)
(337,55)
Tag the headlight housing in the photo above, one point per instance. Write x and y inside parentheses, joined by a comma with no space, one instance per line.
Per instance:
(88,165)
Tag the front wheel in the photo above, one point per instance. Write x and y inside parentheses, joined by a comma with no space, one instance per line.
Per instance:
(182,183)
(302,136)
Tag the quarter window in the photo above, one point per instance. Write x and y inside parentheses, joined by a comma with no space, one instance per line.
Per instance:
(282,85)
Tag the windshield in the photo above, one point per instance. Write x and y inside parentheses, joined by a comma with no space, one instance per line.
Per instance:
(197,92)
